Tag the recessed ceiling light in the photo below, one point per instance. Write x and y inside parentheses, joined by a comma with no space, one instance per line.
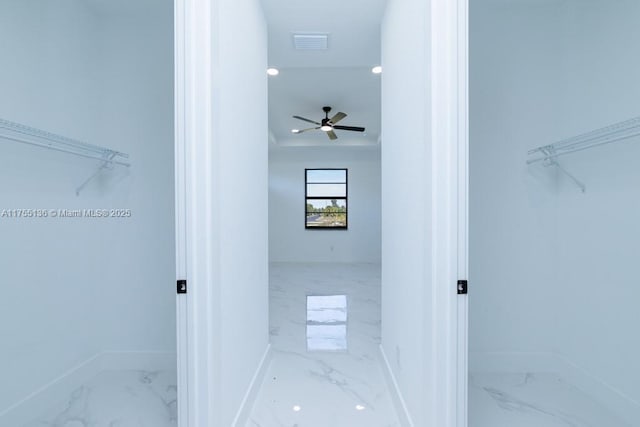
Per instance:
(326,128)
(376,70)
(360,408)
(295,130)
(296,408)
(273,71)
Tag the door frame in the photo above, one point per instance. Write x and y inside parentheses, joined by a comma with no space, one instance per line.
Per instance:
(196,358)
(194,64)
(463,210)
(450,139)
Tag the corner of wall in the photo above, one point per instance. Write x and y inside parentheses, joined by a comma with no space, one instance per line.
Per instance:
(394,389)
(242,416)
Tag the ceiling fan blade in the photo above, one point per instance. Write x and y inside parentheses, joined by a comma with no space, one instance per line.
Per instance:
(339,116)
(332,135)
(307,120)
(353,128)
(304,130)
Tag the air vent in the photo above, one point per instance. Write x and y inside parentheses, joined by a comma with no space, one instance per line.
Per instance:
(310,41)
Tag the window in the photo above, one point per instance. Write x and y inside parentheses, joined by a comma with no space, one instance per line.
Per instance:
(326,198)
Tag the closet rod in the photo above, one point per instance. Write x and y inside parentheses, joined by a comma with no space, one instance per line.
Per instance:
(29,135)
(606,135)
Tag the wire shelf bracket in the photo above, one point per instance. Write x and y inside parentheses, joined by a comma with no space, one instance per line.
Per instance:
(548,154)
(17,132)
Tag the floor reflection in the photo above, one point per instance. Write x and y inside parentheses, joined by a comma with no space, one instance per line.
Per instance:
(325,338)
(326,323)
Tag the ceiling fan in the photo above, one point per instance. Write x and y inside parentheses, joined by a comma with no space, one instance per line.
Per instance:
(328,125)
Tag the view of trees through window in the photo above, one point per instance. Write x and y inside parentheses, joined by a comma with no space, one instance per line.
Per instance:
(326,198)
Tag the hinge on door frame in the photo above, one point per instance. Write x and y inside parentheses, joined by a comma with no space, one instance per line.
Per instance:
(462,287)
(182,286)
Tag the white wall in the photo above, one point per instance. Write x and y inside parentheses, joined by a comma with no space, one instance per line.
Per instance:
(289,241)
(77,287)
(406,209)
(598,231)
(240,175)
(47,280)
(552,268)
(136,114)
(516,71)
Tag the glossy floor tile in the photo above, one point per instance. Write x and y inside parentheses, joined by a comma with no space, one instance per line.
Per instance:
(325,333)
(327,322)
(533,400)
(118,399)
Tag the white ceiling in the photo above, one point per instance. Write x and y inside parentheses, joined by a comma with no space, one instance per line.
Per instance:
(339,77)
(304,91)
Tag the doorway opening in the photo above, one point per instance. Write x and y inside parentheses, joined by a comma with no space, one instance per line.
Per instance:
(554,208)
(87,315)
(226,90)
(324,219)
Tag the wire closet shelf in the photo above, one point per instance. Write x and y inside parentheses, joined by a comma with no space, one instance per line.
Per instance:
(548,154)
(17,132)
(29,135)
(606,135)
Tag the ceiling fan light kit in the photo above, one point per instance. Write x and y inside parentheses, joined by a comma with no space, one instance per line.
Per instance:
(328,125)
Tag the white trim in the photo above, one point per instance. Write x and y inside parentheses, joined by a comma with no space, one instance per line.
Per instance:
(182,347)
(137,361)
(518,363)
(41,399)
(462,416)
(449,249)
(396,395)
(610,397)
(51,393)
(511,362)
(242,417)
(196,262)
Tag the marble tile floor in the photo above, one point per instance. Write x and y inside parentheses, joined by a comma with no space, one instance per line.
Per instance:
(118,399)
(533,400)
(342,384)
(325,371)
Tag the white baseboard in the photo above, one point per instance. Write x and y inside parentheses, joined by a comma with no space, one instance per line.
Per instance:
(244,412)
(396,395)
(512,363)
(620,404)
(138,361)
(49,394)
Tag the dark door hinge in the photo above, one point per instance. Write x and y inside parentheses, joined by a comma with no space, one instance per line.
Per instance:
(462,287)
(182,286)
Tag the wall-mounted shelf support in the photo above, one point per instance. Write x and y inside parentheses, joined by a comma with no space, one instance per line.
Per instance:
(32,136)
(548,154)
(575,180)
(552,160)
(106,164)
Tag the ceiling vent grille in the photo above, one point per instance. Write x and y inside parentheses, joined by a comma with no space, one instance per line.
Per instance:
(310,41)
